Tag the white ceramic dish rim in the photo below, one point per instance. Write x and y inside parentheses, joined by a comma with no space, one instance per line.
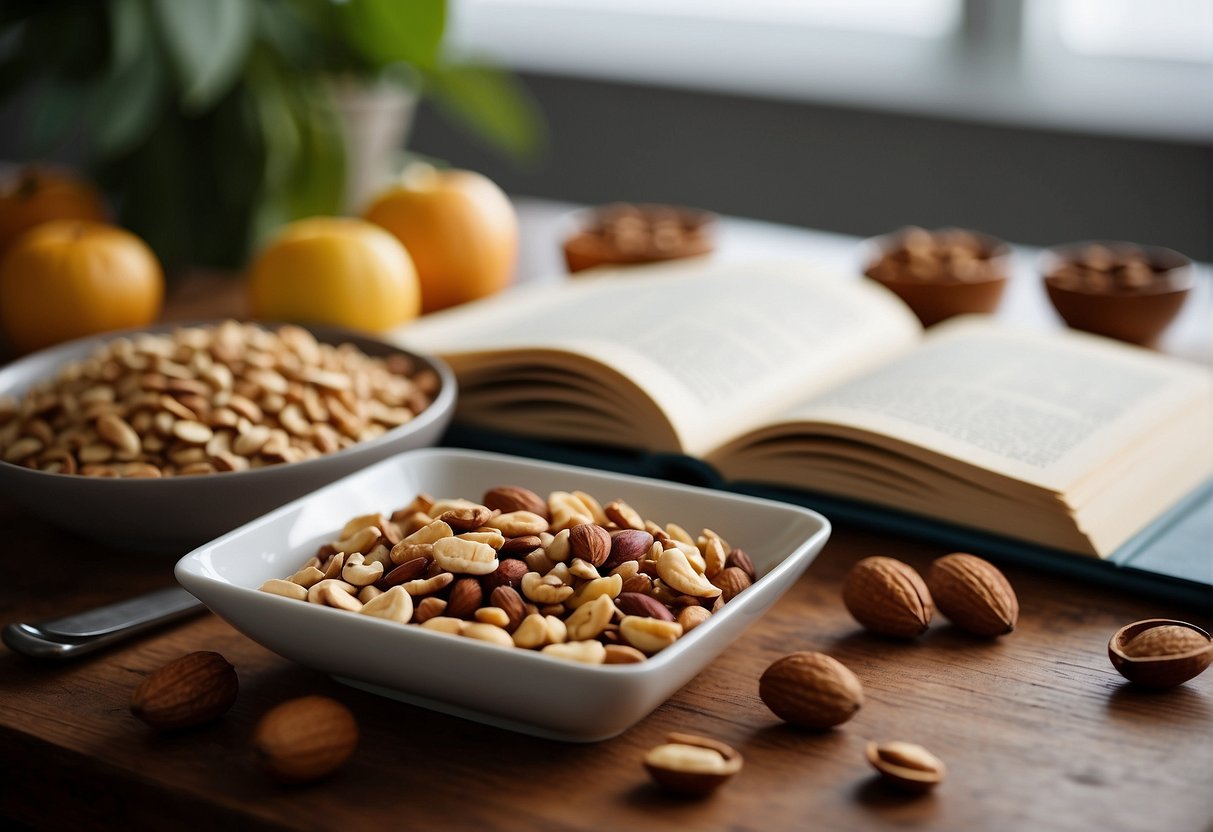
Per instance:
(61,354)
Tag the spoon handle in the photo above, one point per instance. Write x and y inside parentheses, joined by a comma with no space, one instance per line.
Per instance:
(84,632)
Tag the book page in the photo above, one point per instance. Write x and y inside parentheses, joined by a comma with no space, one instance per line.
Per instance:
(720,346)
(1057,410)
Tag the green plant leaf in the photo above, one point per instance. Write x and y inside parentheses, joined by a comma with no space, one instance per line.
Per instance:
(391,31)
(127,102)
(129,32)
(493,105)
(58,107)
(316,186)
(209,43)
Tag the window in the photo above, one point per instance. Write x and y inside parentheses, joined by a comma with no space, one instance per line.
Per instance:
(1122,66)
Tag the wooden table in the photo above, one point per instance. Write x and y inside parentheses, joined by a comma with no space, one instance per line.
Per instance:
(1037,729)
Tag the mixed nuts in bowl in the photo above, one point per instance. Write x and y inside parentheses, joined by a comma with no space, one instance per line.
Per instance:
(170,436)
(561,653)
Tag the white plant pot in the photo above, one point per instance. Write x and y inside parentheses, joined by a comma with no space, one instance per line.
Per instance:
(375,118)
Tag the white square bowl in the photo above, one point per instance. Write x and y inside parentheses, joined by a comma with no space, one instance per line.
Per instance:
(520,690)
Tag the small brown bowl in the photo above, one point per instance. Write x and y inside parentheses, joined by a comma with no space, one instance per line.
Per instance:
(1119,290)
(623,234)
(942,273)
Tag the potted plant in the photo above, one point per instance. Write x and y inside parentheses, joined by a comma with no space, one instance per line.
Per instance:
(210,123)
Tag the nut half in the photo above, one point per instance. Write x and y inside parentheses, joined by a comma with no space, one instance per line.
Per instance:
(906,765)
(691,765)
(1160,652)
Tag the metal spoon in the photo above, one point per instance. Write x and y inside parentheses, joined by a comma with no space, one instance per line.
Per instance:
(84,632)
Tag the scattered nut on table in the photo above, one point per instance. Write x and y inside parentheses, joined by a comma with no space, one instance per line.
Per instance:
(305,739)
(888,597)
(192,690)
(908,766)
(973,594)
(691,765)
(561,575)
(1160,653)
(811,690)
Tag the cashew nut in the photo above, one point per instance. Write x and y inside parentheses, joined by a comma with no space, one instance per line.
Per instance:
(649,635)
(287,589)
(542,591)
(587,652)
(680,575)
(358,573)
(394,605)
(465,557)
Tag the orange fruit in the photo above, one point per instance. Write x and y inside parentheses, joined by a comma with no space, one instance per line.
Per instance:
(335,270)
(459,227)
(36,195)
(65,279)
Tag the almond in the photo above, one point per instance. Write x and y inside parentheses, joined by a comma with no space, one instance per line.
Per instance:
(465,598)
(508,599)
(811,689)
(590,542)
(888,597)
(192,690)
(741,560)
(508,498)
(692,617)
(508,573)
(520,546)
(405,572)
(633,603)
(732,581)
(629,544)
(973,594)
(305,739)
(428,608)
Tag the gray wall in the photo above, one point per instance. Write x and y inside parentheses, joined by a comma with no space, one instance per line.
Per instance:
(848,170)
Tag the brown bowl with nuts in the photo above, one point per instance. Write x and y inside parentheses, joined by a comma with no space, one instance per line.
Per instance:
(1120,290)
(167,437)
(941,273)
(622,234)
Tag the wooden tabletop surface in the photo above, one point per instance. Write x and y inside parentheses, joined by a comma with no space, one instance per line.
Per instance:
(1037,730)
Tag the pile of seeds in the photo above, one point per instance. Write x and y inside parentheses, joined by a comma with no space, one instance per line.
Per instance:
(202,400)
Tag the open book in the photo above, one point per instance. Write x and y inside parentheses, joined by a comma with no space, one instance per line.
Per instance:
(772,373)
